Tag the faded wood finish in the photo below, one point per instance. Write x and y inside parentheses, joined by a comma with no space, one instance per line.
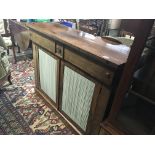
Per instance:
(87,65)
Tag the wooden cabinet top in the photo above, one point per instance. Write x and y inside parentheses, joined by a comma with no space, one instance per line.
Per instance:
(84,42)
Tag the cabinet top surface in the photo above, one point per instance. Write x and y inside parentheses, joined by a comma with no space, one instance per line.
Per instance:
(116,54)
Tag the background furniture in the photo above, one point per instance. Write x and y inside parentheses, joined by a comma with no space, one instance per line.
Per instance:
(5,33)
(5,73)
(127,114)
(7,37)
(19,35)
(97,27)
(74,75)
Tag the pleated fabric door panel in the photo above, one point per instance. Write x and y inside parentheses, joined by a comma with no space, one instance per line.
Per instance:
(48,74)
(77,96)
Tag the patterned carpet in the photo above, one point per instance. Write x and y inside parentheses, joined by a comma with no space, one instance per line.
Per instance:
(22,111)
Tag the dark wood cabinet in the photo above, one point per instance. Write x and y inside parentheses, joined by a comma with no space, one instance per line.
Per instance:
(77,73)
(91,82)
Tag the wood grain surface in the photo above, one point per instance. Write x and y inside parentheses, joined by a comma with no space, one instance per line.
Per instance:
(84,42)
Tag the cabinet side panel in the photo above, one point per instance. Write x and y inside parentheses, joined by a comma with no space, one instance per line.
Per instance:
(77,96)
(48,73)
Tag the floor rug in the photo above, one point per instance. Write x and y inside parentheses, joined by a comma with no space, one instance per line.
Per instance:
(25,108)
(11,122)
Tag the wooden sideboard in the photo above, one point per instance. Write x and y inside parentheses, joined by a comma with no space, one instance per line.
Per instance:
(76,73)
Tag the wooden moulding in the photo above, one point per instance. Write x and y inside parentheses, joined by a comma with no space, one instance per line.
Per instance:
(36,69)
(46,43)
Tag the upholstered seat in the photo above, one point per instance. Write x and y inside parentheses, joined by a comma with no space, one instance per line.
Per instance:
(7,41)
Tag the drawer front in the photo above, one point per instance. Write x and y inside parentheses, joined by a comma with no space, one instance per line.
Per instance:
(99,72)
(77,97)
(48,74)
(42,41)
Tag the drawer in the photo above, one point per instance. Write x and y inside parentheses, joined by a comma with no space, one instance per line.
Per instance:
(101,73)
(42,41)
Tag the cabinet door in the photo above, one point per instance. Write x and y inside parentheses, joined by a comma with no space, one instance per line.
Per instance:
(79,95)
(46,73)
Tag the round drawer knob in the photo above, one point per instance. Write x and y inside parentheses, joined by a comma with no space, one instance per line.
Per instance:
(108,75)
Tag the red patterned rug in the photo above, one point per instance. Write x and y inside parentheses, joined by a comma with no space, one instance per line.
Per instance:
(31,108)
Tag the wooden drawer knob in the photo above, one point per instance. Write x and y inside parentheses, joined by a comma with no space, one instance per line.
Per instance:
(108,75)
